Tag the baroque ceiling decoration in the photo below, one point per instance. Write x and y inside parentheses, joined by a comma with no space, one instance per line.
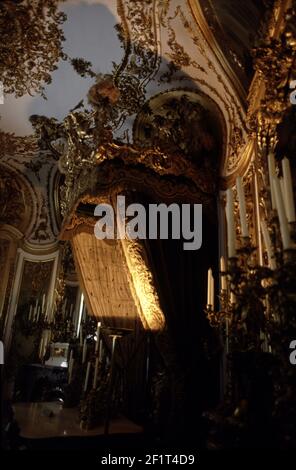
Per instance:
(13,145)
(182,57)
(22,157)
(114,97)
(31,44)
(167,48)
(16,200)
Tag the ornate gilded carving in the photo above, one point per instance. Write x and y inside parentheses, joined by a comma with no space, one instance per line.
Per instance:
(269,97)
(236,143)
(31,44)
(16,205)
(37,274)
(112,180)
(66,264)
(41,231)
(87,179)
(177,123)
(223,93)
(274,63)
(140,33)
(10,144)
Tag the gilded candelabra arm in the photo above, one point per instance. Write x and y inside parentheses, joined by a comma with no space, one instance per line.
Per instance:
(217,317)
(248,320)
(281,293)
(221,318)
(214,316)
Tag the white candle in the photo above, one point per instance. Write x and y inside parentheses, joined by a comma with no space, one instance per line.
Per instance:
(30,312)
(212,291)
(271,172)
(223,269)
(45,342)
(71,363)
(41,348)
(267,243)
(84,313)
(35,310)
(282,215)
(38,313)
(80,336)
(86,377)
(209,286)
(96,373)
(47,315)
(231,235)
(43,303)
(71,357)
(98,336)
(242,207)
(84,351)
(282,186)
(232,298)
(101,351)
(48,337)
(288,188)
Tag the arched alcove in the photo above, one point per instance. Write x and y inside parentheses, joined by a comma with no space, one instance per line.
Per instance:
(155,286)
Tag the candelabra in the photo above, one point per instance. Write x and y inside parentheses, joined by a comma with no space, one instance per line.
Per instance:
(62,328)
(264,305)
(82,356)
(93,405)
(87,360)
(94,399)
(102,400)
(259,325)
(222,317)
(246,279)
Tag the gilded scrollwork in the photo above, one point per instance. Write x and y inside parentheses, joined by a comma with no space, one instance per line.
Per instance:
(39,273)
(223,92)
(31,44)
(41,231)
(16,200)
(10,144)
(275,59)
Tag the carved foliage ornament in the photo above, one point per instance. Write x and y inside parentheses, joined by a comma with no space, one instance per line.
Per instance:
(31,44)
(10,144)
(13,210)
(275,61)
